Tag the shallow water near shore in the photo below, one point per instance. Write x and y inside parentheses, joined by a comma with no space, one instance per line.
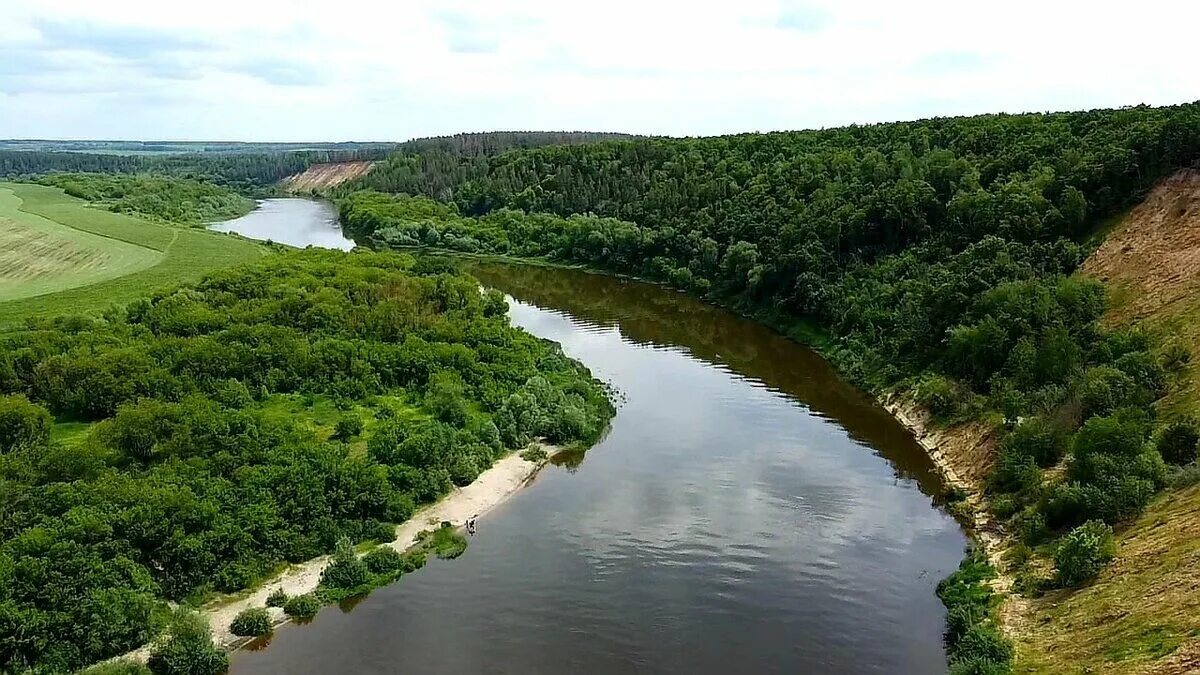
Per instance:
(747,512)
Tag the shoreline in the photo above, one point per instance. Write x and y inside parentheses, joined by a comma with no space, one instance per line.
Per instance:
(507,476)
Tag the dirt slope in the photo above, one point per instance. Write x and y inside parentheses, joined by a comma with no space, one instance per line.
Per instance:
(325,176)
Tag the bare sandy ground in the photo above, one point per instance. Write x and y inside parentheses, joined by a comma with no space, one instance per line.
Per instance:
(491,488)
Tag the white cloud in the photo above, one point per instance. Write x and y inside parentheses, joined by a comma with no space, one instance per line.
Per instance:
(354,69)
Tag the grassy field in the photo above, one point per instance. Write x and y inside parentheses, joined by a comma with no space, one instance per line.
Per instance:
(39,255)
(60,256)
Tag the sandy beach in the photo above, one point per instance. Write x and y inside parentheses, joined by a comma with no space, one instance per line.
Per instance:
(491,488)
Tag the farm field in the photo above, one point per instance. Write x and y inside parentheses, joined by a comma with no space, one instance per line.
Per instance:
(58,255)
(39,255)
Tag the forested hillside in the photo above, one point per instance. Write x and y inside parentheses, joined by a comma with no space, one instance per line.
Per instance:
(434,166)
(935,257)
(196,440)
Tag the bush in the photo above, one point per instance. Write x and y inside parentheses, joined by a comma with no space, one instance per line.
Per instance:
(980,667)
(346,571)
(1177,442)
(1083,553)
(117,668)
(347,427)
(384,560)
(1038,439)
(188,648)
(22,423)
(534,454)
(277,598)
(302,606)
(380,532)
(251,622)
(1104,389)
(940,395)
(446,542)
(1186,476)
(982,643)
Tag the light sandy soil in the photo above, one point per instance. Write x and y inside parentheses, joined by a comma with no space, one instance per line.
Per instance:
(324,176)
(491,488)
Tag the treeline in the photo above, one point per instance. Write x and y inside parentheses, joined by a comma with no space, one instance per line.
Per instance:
(936,256)
(174,200)
(190,480)
(245,172)
(434,166)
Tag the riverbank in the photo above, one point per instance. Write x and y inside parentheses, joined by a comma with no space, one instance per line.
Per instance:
(495,485)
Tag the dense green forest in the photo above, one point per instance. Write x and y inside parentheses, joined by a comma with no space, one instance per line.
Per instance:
(934,257)
(195,440)
(174,200)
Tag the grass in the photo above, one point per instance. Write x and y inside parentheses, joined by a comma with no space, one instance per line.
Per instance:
(1142,609)
(169,255)
(40,255)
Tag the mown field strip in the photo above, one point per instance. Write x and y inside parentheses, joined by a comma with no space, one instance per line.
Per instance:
(40,256)
(63,256)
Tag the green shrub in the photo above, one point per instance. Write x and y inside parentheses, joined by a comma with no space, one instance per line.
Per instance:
(1103,389)
(303,606)
(1083,553)
(940,395)
(982,642)
(980,667)
(413,561)
(384,560)
(346,571)
(1177,442)
(277,598)
(251,622)
(22,423)
(188,648)
(380,532)
(1186,476)
(1036,438)
(347,427)
(445,542)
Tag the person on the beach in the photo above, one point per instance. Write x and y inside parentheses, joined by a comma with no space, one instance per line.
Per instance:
(471,525)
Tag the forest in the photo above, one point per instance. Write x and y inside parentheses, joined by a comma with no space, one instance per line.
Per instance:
(933,257)
(194,441)
(162,198)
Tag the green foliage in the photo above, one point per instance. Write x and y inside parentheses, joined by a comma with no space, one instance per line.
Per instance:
(303,606)
(347,427)
(346,571)
(120,667)
(534,454)
(251,622)
(175,200)
(185,484)
(974,643)
(1085,551)
(22,424)
(188,648)
(1177,442)
(445,542)
(384,560)
(277,598)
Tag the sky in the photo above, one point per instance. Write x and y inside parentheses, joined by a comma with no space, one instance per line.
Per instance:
(300,70)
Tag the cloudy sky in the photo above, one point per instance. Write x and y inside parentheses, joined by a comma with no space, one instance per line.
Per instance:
(396,69)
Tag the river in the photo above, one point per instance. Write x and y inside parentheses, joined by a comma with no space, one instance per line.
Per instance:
(292,221)
(747,512)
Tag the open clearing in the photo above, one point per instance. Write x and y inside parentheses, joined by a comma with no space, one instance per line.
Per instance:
(39,255)
(60,256)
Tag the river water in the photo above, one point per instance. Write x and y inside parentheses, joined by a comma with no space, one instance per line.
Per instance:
(747,512)
(292,221)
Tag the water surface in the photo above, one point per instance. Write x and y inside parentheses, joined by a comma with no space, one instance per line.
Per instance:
(292,221)
(747,513)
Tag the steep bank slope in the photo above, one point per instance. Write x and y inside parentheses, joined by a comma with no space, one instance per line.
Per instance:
(1143,613)
(325,176)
